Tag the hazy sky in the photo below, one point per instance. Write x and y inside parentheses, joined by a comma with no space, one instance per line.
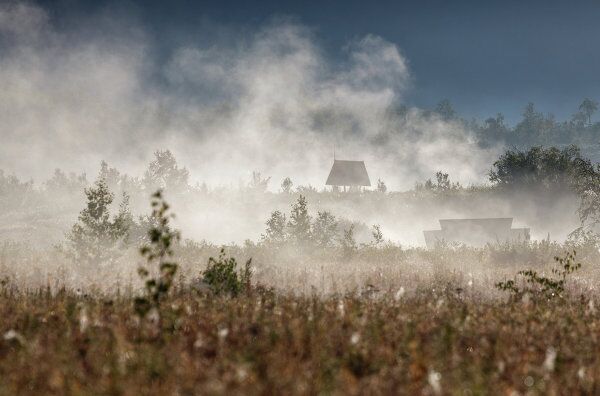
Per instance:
(485,56)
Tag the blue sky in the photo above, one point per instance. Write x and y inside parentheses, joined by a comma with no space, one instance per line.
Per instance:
(484,56)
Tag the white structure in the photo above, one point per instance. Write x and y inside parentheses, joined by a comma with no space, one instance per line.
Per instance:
(476,232)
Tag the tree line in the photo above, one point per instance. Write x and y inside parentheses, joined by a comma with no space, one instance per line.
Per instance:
(535,128)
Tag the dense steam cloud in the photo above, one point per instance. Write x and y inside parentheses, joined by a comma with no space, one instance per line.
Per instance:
(273,102)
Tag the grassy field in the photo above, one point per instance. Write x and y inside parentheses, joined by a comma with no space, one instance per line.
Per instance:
(435,340)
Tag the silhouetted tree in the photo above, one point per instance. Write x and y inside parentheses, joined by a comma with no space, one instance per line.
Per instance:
(60,183)
(299,223)
(381,187)
(164,174)
(276,228)
(257,183)
(588,107)
(286,185)
(324,229)
(97,237)
(445,110)
(541,167)
(377,235)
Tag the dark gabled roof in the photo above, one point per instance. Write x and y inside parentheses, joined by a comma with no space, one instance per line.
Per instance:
(348,173)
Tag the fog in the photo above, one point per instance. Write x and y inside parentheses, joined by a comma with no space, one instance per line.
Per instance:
(270,99)
(274,102)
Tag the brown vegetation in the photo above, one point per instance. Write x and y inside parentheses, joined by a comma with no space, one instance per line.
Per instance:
(440,339)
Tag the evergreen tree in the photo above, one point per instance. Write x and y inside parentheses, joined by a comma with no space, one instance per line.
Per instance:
(165,174)
(588,107)
(324,229)
(299,224)
(445,110)
(275,232)
(97,237)
(286,185)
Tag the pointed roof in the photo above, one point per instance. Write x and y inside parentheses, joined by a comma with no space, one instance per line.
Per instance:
(348,173)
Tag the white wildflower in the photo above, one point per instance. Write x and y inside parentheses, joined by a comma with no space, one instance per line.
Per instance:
(223,332)
(355,338)
(581,373)
(434,378)
(12,335)
(84,320)
(199,343)
(399,294)
(439,303)
(526,299)
(591,308)
(340,308)
(501,366)
(550,359)
(153,316)
(242,373)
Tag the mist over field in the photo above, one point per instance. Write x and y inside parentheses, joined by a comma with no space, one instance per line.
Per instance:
(270,100)
(225,197)
(274,102)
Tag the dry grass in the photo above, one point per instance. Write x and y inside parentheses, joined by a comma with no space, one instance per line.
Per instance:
(432,340)
(381,320)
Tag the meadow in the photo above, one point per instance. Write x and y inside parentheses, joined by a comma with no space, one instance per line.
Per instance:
(381,320)
(441,339)
(321,302)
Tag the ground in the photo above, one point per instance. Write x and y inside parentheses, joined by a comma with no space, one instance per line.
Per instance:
(438,340)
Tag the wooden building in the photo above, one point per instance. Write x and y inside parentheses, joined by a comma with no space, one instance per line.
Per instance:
(351,174)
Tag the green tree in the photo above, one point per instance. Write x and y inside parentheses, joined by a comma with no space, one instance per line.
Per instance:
(13,192)
(299,223)
(588,107)
(445,110)
(494,130)
(324,229)
(276,229)
(286,185)
(164,174)
(62,184)
(98,237)
(539,167)
(534,128)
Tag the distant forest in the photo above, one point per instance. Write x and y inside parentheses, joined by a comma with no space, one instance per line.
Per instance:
(534,129)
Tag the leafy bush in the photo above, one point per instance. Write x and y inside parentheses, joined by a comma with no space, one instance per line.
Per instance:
(377,235)
(159,251)
(547,287)
(442,184)
(348,242)
(222,275)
